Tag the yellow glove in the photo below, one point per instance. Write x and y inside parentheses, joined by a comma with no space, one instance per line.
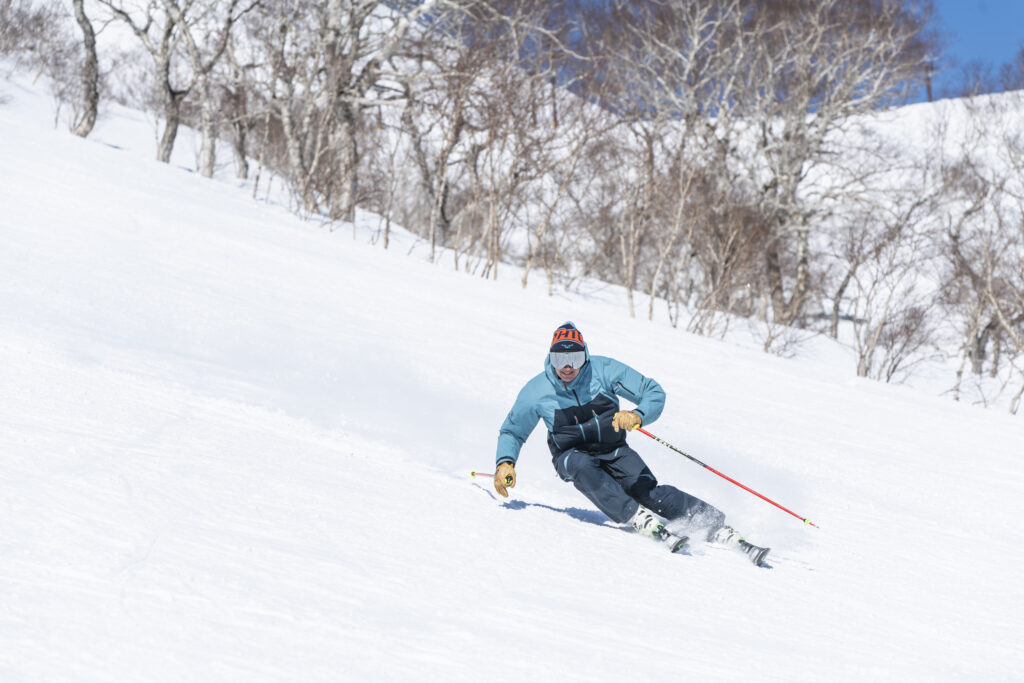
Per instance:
(625,419)
(504,476)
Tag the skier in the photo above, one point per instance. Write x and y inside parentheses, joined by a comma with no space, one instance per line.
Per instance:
(577,396)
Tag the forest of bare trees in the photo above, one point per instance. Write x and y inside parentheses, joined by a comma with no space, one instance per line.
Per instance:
(725,161)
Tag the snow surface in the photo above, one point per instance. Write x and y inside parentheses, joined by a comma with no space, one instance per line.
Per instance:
(236,446)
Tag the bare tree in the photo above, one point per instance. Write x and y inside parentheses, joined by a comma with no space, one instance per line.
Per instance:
(434,119)
(889,311)
(90,74)
(743,109)
(211,25)
(26,31)
(808,69)
(38,36)
(237,95)
(881,226)
(355,51)
(583,125)
(323,70)
(481,115)
(983,285)
(153,25)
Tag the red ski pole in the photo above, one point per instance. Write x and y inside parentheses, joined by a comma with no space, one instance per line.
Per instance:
(712,469)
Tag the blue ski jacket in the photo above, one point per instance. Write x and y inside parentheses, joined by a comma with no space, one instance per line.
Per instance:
(578,414)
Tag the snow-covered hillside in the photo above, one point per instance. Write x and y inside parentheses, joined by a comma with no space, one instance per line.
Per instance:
(236,446)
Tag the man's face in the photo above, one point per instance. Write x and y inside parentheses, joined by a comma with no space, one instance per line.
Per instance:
(567,374)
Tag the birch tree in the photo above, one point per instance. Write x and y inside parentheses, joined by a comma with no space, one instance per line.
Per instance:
(151,22)
(807,71)
(205,30)
(324,64)
(983,290)
(90,73)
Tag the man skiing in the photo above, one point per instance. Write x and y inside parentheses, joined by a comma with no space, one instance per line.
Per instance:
(577,397)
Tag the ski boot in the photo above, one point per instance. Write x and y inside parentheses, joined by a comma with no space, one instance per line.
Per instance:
(646,524)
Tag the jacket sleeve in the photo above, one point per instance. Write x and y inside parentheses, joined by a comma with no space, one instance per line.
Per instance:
(646,393)
(517,426)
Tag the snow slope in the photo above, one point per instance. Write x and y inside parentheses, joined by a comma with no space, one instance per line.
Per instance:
(236,446)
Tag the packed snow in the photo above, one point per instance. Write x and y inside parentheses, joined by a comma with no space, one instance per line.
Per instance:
(236,445)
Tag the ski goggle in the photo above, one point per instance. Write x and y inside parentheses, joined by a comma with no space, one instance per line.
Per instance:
(574,359)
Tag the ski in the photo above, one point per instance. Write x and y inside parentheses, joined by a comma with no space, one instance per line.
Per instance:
(727,537)
(755,554)
(679,544)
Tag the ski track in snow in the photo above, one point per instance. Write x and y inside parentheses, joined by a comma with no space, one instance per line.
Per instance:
(236,446)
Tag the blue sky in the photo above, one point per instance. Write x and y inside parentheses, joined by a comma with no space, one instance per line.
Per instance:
(987,30)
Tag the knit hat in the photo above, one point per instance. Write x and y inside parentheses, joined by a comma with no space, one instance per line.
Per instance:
(567,338)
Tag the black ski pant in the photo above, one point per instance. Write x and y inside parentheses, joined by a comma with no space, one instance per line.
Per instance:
(620,481)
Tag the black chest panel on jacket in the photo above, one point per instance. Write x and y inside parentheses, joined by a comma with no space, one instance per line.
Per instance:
(586,427)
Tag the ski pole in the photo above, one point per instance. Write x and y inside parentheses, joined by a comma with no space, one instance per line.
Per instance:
(712,469)
(476,474)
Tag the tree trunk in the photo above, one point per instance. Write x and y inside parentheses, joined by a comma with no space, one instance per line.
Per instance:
(208,127)
(803,278)
(343,205)
(240,138)
(833,328)
(172,119)
(979,347)
(90,75)
(773,279)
